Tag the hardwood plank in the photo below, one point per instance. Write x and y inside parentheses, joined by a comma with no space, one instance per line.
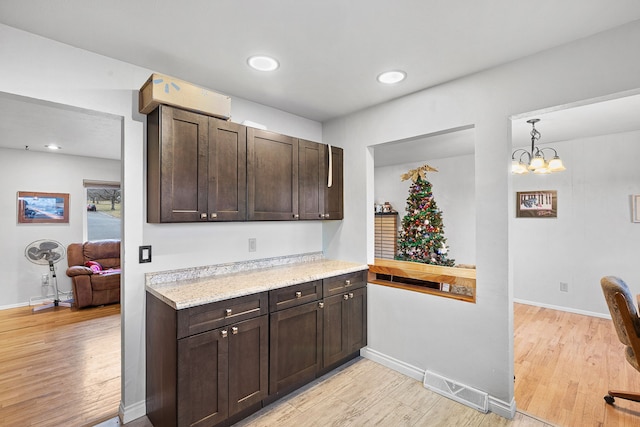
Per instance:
(564,365)
(60,366)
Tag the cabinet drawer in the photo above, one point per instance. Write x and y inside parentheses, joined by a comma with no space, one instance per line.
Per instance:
(203,318)
(339,284)
(291,296)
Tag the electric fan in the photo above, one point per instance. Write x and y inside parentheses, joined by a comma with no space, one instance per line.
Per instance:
(47,252)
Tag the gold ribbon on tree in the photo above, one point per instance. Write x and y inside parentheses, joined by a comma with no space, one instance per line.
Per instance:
(418,172)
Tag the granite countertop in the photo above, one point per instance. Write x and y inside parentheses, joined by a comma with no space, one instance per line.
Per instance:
(192,292)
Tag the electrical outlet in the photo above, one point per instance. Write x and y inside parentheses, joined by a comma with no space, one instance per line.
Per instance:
(252,244)
(564,287)
(45,279)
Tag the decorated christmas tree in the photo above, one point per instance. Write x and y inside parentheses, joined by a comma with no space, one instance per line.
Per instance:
(422,236)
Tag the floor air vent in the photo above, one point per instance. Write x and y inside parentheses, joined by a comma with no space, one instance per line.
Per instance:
(459,392)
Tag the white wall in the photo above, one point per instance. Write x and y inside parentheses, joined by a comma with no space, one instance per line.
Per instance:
(472,343)
(36,67)
(592,236)
(50,173)
(453,189)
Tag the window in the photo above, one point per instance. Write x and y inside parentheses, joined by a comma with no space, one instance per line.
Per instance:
(103,210)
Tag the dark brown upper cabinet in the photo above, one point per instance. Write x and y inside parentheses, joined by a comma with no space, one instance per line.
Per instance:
(227,171)
(319,197)
(334,195)
(272,176)
(203,169)
(196,167)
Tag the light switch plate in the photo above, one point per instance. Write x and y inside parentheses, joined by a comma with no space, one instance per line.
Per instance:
(144,254)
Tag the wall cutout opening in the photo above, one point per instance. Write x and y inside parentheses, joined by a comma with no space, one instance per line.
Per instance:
(408,220)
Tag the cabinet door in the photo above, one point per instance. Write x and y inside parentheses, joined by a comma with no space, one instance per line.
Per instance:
(178,167)
(345,325)
(334,195)
(272,175)
(227,189)
(295,346)
(203,363)
(336,335)
(312,167)
(357,322)
(248,363)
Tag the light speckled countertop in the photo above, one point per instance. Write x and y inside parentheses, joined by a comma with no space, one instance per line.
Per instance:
(192,292)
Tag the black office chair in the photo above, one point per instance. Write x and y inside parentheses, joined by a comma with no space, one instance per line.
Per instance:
(624,314)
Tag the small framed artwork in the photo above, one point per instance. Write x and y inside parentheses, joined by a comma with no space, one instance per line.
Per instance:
(537,204)
(635,207)
(42,208)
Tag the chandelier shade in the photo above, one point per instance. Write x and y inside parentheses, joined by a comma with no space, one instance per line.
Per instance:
(523,161)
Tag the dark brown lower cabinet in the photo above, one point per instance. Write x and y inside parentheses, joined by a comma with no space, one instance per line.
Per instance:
(204,379)
(295,346)
(344,325)
(222,372)
(212,365)
(248,363)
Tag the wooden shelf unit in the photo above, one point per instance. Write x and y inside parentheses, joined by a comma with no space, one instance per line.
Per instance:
(453,282)
(386,235)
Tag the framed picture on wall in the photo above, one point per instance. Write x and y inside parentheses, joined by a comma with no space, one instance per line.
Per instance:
(42,208)
(537,204)
(635,204)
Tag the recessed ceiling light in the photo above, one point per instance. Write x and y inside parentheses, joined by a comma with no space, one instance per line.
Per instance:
(53,147)
(263,63)
(391,77)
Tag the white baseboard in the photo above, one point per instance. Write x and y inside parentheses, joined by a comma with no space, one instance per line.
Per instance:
(497,406)
(8,306)
(391,363)
(502,408)
(560,308)
(132,412)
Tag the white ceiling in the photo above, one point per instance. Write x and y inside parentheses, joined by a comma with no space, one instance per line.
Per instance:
(330,51)
(30,124)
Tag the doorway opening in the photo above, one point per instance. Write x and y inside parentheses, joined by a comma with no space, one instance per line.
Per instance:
(561,340)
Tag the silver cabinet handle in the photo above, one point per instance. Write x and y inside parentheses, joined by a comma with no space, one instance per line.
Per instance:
(234,330)
(321,215)
(214,215)
(298,294)
(345,297)
(350,294)
(320,305)
(203,215)
(347,282)
(326,216)
(296,216)
(228,312)
(224,333)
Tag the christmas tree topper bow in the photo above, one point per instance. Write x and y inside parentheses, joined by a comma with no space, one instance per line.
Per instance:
(418,172)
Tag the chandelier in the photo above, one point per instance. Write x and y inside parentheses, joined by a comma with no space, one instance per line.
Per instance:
(535,160)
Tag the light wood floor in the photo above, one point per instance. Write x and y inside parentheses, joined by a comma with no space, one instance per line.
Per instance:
(365,393)
(59,367)
(62,368)
(564,365)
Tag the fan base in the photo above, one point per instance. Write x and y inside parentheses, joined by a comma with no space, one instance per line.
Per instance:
(56,303)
